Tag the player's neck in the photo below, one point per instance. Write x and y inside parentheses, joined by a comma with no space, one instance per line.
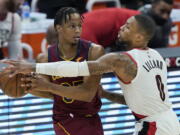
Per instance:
(141,46)
(67,51)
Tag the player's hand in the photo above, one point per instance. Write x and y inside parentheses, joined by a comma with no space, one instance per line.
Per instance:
(18,66)
(35,82)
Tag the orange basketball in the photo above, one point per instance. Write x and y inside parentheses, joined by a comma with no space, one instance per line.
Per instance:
(12,86)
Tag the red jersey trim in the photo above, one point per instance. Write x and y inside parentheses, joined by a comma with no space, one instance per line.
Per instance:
(65,131)
(152,128)
(126,53)
(122,80)
(138,116)
(149,128)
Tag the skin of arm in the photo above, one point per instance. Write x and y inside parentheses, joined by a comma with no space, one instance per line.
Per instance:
(42,94)
(114,97)
(119,63)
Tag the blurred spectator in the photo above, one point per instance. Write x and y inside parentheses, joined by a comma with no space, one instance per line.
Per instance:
(102,26)
(176,4)
(134,4)
(29,1)
(50,7)
(160,11)
(10,28)
(51,38)
(51,35)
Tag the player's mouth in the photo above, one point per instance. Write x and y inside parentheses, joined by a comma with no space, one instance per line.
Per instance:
(77,37)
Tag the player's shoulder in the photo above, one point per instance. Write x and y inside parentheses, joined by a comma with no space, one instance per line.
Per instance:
(96,51)
(97,47)
(16,17)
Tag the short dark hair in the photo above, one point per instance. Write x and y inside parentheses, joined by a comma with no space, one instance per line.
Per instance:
(170,2)
(11,6)
(63,15)
(146,25)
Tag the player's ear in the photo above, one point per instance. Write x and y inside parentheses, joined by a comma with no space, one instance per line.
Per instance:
(58,28)
(139,37)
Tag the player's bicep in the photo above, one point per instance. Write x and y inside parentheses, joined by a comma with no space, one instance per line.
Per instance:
(125,67)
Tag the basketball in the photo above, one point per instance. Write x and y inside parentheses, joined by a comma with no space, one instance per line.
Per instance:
(12,86)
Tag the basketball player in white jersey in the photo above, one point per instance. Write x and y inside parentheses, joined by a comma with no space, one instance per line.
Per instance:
(10,28)
(142,74)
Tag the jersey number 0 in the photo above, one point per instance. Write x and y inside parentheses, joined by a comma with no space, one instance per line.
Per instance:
(160,86)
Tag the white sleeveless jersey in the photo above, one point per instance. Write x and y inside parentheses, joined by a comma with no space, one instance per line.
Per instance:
(10,28)
(147,93)
(10,35)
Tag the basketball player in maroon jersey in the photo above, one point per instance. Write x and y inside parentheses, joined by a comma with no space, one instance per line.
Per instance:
(70,116)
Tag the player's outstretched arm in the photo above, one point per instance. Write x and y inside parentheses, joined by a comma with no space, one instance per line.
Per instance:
(40,86)
(121,64)
(42,94)
(112,96)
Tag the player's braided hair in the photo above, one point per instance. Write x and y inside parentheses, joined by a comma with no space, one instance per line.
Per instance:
(63,15)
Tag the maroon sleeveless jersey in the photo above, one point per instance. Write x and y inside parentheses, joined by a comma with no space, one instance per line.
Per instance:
(64,106)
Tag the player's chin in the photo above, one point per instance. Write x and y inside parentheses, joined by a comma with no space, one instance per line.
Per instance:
(75,41)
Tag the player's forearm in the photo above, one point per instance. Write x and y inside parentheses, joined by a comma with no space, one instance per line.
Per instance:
(63,68)
(75,92)
(114,97)
(97,68)
(42,94)
(72,69)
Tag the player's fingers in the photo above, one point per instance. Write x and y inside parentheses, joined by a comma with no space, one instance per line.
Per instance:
(9,68)
(23,85)
(11,62)
(28,88)
(26,79)
(34,81)
(5,72)
(34,75)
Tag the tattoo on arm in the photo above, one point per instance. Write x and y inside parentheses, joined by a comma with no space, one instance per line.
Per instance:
(114,62)
(96,68)
(128,66)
